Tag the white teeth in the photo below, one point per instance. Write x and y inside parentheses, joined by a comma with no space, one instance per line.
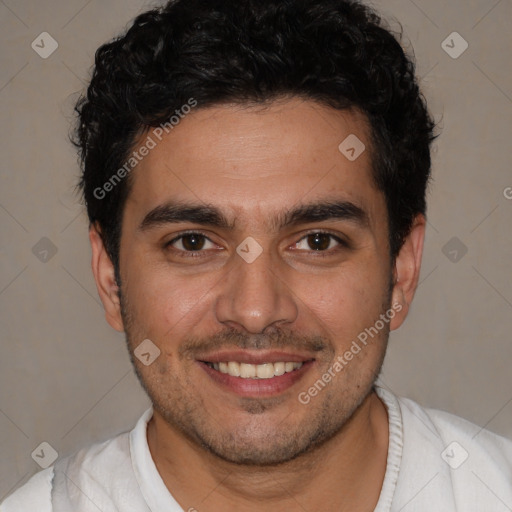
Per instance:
(247,371)
(265,371)
(288,367)
(279,369)
(234,369)
(255,371)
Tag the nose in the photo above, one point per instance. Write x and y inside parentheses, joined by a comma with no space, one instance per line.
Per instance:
(254,296)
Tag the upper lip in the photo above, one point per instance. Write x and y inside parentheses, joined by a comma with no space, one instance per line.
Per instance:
(253,357)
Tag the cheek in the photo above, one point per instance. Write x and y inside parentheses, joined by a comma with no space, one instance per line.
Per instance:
(163,302)
(348,300)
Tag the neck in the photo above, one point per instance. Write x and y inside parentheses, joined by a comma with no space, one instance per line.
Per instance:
(345,473)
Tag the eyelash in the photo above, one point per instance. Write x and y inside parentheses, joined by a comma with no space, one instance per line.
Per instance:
(200,253)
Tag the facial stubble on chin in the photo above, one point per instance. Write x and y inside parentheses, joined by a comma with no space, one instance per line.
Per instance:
(186,413)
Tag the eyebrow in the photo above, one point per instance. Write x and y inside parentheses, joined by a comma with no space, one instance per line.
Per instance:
(208,215)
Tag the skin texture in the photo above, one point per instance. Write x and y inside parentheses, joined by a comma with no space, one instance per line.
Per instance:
(215,449)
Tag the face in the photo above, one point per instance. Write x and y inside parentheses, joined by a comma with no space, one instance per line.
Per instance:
(253,255)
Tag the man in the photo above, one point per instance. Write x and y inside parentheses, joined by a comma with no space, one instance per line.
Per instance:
(255,176)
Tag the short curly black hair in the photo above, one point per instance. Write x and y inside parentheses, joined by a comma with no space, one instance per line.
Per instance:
(335,52)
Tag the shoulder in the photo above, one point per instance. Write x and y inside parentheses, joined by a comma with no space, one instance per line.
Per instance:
(34,495)
(439,461)
(106,465)
(99,459)
(473,462)
(461,436)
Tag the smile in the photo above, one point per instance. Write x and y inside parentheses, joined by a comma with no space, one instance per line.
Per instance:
(255,374)
(255,371)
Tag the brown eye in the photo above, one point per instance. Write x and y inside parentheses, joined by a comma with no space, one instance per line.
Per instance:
(319,241)
(190,242)
(193,242)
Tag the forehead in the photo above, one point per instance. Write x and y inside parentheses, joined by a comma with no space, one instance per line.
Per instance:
(254,159)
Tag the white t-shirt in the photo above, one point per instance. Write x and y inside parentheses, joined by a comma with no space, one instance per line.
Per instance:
(437,462)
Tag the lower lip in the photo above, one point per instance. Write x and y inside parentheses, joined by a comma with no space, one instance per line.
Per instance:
(257,388)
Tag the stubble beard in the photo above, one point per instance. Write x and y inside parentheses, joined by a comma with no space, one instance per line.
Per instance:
(249,444)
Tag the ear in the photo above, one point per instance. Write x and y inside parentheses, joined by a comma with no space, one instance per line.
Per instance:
(406,271)
(104,275)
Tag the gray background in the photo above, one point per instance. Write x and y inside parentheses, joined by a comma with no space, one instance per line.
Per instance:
(65,375)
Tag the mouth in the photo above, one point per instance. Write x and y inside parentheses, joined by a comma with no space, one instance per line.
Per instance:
(255,371)
(255,374)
